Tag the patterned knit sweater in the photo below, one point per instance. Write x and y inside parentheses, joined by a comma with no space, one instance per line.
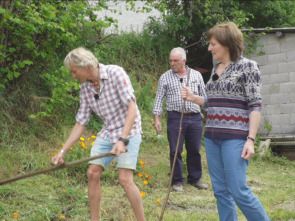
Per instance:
(231,98)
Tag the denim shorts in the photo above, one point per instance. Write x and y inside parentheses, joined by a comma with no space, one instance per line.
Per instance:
(127,160)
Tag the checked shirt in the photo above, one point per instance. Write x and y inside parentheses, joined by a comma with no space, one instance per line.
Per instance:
(170,85)
(111,106)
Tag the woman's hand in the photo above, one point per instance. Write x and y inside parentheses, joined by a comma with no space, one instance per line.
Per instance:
(248,150)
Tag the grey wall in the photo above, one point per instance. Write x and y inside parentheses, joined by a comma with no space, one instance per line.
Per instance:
(278,75)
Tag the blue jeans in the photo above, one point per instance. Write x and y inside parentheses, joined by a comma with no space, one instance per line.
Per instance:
(227,170)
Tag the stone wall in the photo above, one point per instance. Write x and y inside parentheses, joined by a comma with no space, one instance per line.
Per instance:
(277,67)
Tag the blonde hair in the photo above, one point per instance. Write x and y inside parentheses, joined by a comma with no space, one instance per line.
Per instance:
(81,57)
(230,36)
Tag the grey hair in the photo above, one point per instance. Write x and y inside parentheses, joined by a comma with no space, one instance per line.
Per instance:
(181,50)
(81,57)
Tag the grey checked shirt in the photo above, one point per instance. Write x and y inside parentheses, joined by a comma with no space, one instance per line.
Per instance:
(170,87)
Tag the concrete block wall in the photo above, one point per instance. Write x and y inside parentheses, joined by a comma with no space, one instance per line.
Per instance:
(277,67)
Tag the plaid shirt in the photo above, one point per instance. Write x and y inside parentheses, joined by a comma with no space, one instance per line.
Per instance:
(170,87)
(115,95)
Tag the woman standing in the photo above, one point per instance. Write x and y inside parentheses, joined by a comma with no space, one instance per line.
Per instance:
(233,108)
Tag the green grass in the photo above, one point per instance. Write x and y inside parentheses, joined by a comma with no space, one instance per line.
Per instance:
(46,197)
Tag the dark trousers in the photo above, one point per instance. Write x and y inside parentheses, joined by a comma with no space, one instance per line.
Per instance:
(191,133)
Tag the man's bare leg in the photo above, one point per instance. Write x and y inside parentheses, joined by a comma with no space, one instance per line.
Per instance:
(94,190)
(132,191)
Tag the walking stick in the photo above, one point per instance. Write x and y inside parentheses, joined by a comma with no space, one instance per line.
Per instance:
(58,167)
(175,155)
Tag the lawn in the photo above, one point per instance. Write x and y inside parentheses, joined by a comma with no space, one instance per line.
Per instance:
(62,195)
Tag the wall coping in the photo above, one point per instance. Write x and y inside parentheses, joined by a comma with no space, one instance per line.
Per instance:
(271,30)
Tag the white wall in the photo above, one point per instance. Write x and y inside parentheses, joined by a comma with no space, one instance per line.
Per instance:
(278,76)
(127,20)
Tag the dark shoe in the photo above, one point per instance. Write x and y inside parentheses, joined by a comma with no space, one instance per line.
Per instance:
(177,187)
(200,185)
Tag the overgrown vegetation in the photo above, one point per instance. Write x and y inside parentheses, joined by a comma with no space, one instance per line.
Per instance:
(39,101)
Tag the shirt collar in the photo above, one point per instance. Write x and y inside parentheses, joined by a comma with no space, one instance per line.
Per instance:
(102,71)
(103,76)
(187,71)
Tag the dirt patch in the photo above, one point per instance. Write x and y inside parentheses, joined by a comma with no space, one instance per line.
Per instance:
(287,206)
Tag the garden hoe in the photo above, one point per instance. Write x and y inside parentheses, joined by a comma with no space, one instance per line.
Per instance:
(175,155)
(58,167)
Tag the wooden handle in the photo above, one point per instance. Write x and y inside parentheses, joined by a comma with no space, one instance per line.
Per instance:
(58,167)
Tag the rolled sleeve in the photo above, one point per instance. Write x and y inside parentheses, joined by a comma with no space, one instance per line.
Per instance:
(202,91)
(84,112)
(161,93)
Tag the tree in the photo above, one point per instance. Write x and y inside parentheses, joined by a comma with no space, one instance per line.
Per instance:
(40,32)
(186,21)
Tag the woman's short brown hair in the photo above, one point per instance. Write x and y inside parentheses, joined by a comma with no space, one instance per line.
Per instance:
(230,36)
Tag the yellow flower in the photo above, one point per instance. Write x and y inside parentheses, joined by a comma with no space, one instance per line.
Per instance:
(62,217)
(64,191)
(93,137)
(142,194)
(88,139)
(149,177)
(83,144)
(141,162)
(139,175)
(158,201)
(82,138)
(143,166)
(53,154)
(145,182)
(15,215)
(92,143)
(71,148)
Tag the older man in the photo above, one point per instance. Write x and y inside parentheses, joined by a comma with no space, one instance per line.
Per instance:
(107,91)
(169,87)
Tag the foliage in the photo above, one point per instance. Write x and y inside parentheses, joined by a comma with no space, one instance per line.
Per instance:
(251,45)
(63,92)
(282,13)
(268,127)
(36,35)
(146,52)
(188,21)
(46,29)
